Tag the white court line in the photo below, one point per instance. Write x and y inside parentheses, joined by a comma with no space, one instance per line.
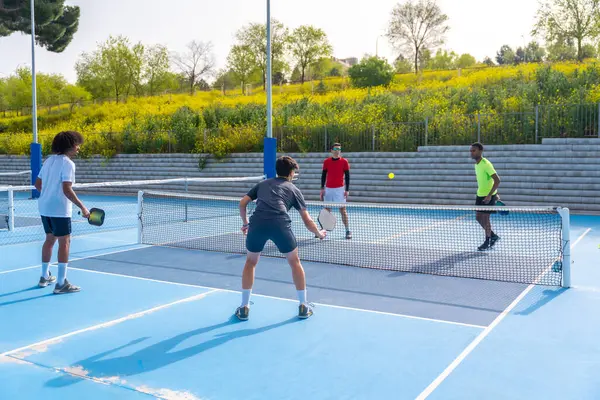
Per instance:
(79,258)
(233,291)
(433,385)
(282,298)
(109,323)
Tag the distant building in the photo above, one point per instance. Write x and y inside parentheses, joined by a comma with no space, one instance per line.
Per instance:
(346,62)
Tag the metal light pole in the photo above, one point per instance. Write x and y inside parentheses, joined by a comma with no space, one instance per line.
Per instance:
(269,74)
(270,143)
(35,148)
(33,82)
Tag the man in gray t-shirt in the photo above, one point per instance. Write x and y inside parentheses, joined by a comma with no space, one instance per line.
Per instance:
(271,221)
(274,198)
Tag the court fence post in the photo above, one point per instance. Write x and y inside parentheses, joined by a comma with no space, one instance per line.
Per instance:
(566,246)
(426,129)
(479,127)
(373,137)
(537,122)
(598,120)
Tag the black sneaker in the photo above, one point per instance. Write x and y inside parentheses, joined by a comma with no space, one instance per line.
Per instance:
(66,288)
(304,311)
(485,245)
(348,235)
(46,281)
(242,313)
(494,239)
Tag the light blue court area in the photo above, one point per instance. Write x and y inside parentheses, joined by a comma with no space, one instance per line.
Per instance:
(156,322)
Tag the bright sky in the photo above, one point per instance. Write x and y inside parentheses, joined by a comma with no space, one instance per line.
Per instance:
(478,27)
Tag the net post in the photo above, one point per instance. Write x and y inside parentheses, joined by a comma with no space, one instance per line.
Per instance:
(566,244)
(270,157)
(11,210)
(140,199)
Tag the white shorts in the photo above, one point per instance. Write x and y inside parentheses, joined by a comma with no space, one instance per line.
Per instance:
(335,195)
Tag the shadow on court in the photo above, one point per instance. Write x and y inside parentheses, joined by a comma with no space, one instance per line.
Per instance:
(158,355)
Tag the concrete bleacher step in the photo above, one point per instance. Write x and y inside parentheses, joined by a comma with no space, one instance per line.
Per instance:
(562,172)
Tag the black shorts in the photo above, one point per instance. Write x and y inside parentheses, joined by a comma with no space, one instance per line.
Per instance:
(479,202)
(57,226)
(278,232)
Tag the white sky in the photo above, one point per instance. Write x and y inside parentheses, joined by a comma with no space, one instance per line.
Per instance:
(478,27)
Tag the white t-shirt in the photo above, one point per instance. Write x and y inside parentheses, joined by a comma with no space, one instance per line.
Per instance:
(52,201)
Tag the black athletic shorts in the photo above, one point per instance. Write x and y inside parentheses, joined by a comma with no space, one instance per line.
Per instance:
(279,232)
(479,202)
(57,226)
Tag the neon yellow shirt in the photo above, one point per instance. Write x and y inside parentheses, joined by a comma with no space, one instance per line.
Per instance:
(484,171)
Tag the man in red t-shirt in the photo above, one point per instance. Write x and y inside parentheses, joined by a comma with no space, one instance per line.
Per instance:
(335,182)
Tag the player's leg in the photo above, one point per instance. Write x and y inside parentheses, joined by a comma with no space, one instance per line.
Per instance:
(255,243)
(299,277)
(46,277)
(286,243)
(62,230)
(483,217)
(344,213)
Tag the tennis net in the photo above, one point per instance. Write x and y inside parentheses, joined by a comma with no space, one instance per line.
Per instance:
(20,218)
(438,240)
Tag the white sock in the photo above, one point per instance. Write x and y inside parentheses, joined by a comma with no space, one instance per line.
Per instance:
(62,273)
(246,297)
(302,296)
(45,270)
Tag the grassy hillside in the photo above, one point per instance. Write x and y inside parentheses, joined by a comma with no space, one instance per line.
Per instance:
(217,123)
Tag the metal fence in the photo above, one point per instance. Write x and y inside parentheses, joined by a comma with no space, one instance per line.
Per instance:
(527,127)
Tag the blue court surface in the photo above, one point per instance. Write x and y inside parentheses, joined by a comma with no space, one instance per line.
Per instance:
(156,322)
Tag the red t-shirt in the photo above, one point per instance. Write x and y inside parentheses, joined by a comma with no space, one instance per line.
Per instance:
(335,171)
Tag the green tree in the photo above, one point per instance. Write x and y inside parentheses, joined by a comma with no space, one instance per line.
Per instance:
(442,60)
(589,51)
(197,63)
(3,95)
(49,89)
(403,65)
(578,20)
(488,61)
(74,95)
(371,71)
(254,38)
(505,56)
(534,52)
(55,23)
(562,49)
(18,89)
(465,61)
(417,25)
(114,69)
(320,69)
(307,45)
(156,69)
(227,80)
(241,63)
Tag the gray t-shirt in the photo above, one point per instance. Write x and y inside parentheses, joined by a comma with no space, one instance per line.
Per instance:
(274,198)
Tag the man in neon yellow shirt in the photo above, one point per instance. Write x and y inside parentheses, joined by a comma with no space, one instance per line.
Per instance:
(487,193)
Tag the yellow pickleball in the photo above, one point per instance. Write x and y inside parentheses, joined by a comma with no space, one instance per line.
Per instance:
(391,175)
